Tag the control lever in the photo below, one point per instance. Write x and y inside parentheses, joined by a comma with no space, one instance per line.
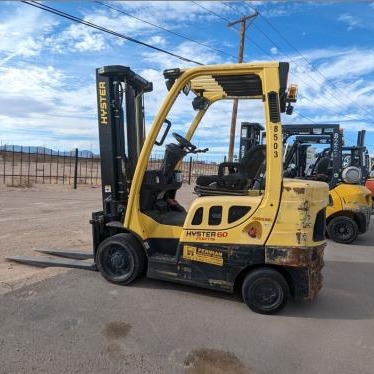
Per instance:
(200,150)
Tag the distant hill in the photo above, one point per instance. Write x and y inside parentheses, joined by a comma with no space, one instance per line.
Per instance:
(48,151)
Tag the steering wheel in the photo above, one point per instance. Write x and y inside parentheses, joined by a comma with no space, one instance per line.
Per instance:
(184,142)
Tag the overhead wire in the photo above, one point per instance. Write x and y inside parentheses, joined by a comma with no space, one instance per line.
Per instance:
(228,21)
(304,116)
(328,109)
(164,29)
(316,70)
(290,59)
(114,33)
(263,50)
(106,30)
(339,102)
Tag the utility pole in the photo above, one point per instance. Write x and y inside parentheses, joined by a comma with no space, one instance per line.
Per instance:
(243,28)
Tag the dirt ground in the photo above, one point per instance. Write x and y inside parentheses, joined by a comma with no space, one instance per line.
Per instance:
(47,217)
(79,323)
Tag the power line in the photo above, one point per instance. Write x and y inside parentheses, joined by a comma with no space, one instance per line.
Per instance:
(302,115)
(232,8)
(282,51)
(225,19)
(329,91)
(211,11)
(328,109)
(306,60)
(234,29)
(164,29)
(103,29)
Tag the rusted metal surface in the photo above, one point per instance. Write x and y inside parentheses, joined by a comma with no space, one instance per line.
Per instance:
(306,219)
(315,275)
(299,190)
(301,237)
(293,256)
(310,258)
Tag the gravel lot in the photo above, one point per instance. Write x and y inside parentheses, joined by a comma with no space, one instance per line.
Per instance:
(78,323)
(47,217)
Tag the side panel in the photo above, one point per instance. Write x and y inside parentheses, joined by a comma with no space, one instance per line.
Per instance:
(216,266)
(335,203)
(370,186)
(223,220)
(301,202)
(355,200)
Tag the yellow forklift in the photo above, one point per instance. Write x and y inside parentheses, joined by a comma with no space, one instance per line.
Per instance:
(267,242)
(349,209)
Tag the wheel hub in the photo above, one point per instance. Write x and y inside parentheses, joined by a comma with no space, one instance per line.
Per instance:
(342,230)
(266,294)
(117,260)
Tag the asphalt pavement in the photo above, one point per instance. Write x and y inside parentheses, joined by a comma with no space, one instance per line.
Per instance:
(79,323)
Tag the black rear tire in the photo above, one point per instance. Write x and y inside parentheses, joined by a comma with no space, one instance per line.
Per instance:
(120,258)
(265,291)
(342,230)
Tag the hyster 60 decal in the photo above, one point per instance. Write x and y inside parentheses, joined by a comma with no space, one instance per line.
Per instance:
(206,235)
(209,256)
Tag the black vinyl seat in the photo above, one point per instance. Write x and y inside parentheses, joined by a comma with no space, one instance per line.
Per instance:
(238,180)
(323,171)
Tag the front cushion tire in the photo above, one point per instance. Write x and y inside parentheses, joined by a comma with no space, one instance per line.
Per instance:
(265,291)
(120,258)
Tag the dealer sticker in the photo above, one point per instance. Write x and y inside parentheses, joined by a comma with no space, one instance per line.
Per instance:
(208,256)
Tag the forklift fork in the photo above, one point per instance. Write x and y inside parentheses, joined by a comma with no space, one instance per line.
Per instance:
(75,260)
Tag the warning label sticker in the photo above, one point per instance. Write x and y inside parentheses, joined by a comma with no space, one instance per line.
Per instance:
(209,256)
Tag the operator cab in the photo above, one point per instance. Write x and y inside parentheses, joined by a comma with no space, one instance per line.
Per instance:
(159,187)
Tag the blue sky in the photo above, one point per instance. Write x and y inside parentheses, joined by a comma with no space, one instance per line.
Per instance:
(47,63)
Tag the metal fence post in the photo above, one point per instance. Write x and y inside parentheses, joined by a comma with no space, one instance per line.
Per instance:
(13,167)
(76,168)
(190,171)
(4,159)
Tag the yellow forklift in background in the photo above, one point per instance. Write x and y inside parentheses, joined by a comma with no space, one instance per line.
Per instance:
(349,209)
(265,239)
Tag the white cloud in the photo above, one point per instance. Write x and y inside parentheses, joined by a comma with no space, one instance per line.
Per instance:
(351,64)
(58,103)
(77,38)
(21,33)
(188,49)
(157,41)
(38,101)
(349,20)
(166,11)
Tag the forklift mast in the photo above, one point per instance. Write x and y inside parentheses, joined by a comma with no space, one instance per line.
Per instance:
(321,131)
(119,152)
(361,138)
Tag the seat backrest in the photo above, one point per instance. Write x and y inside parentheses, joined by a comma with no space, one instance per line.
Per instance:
(252,160)
(322,166)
